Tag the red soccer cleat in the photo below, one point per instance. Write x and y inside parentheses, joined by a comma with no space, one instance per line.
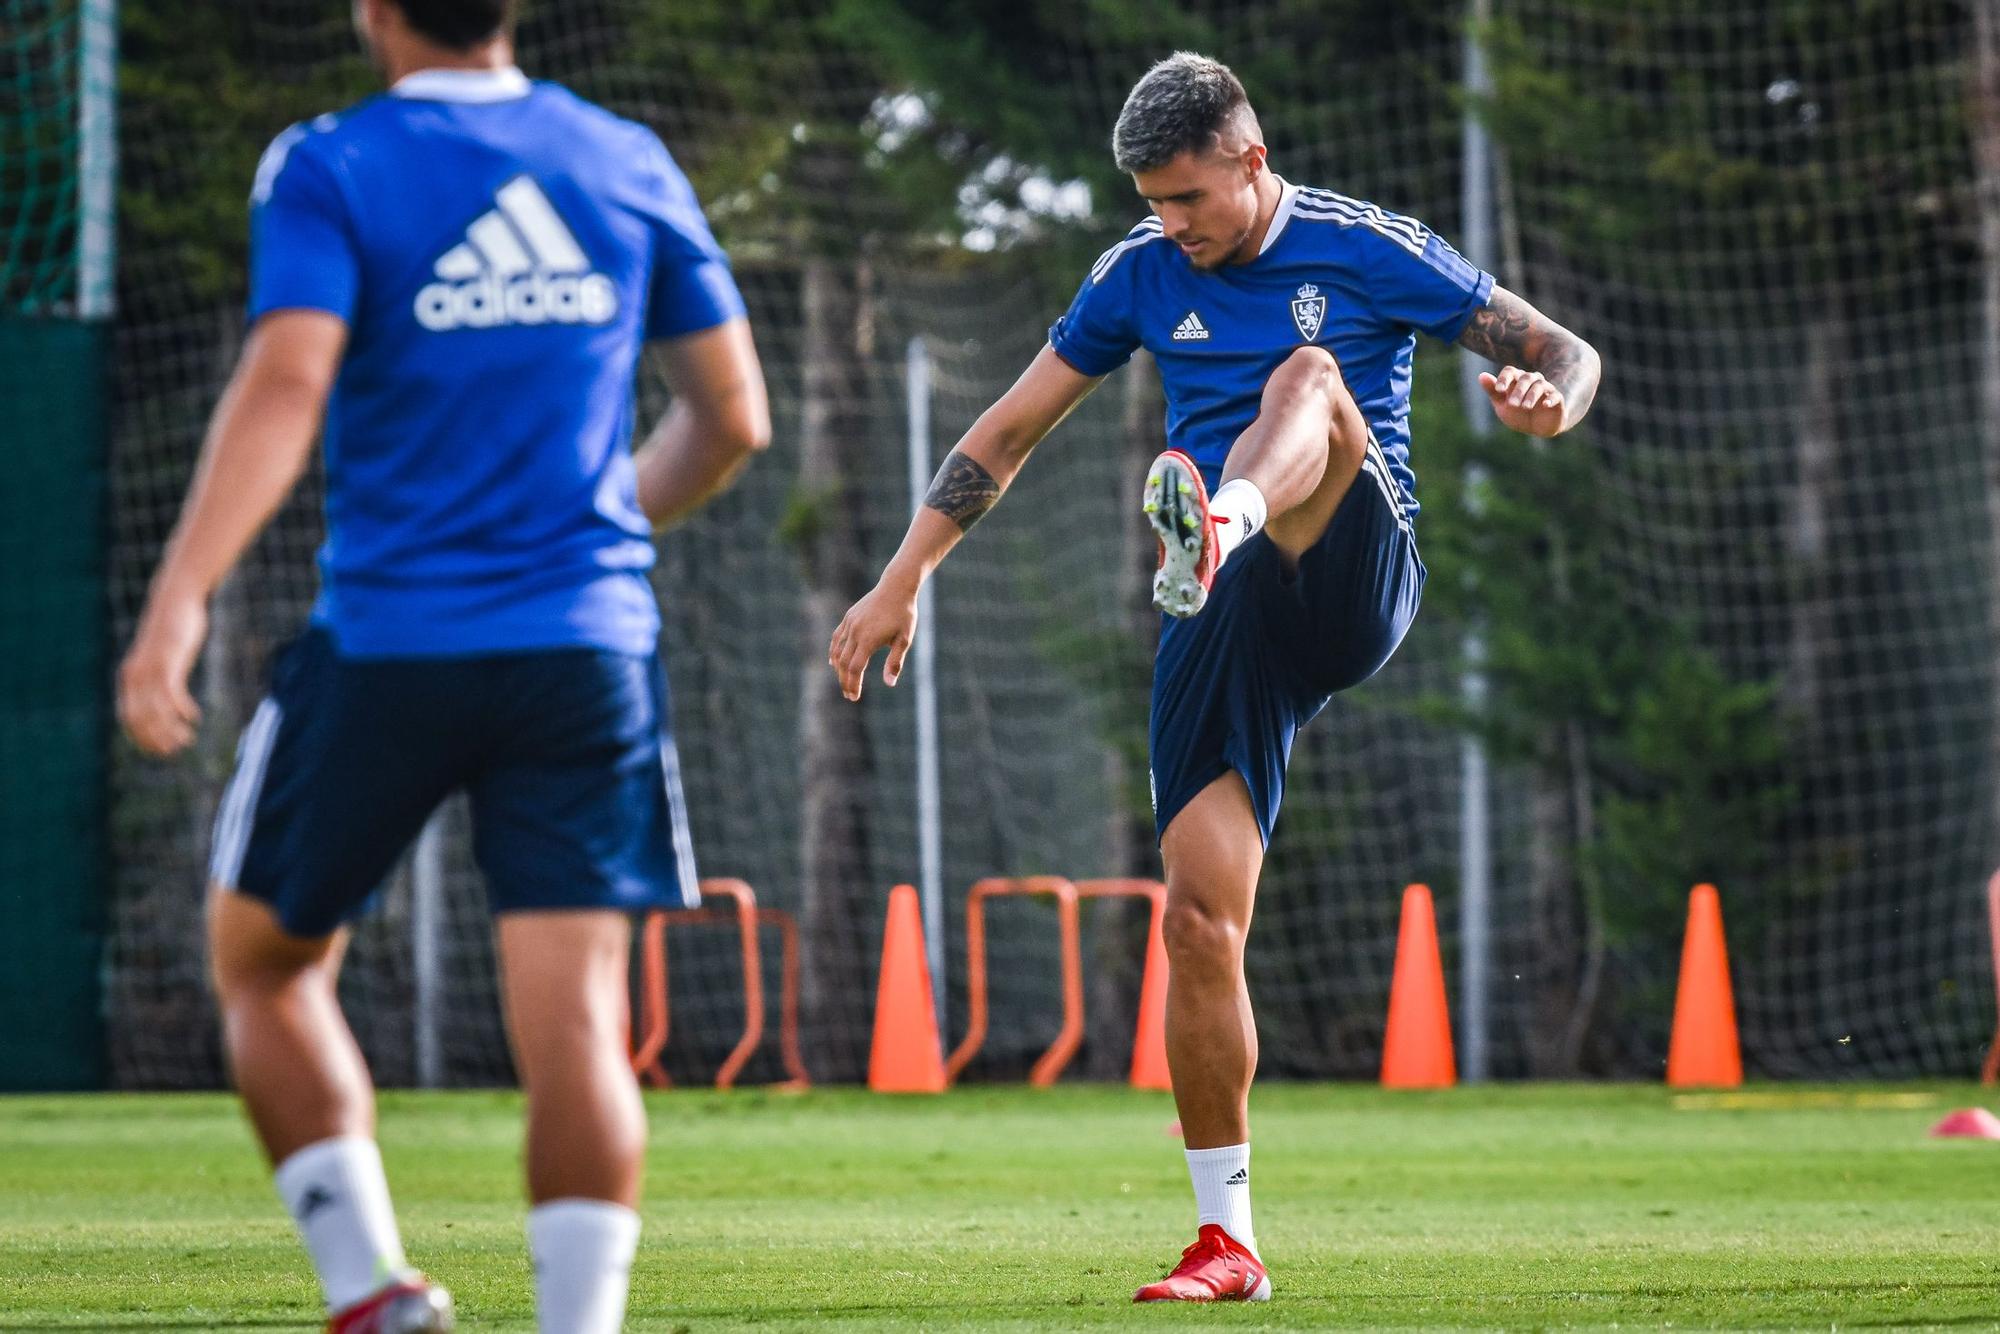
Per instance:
(1176,504)
(1214,1269)
(413,1305)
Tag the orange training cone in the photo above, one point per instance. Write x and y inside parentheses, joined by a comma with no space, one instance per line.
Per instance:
(905,1057)
(1703,1050)
(1416,1050)
(1149,1040)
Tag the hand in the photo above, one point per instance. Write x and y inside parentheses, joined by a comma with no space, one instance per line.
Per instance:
(1524,401)
(885,618)
(154,706)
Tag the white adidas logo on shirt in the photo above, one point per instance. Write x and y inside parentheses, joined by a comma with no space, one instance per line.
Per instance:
(1190,329)
(519,264)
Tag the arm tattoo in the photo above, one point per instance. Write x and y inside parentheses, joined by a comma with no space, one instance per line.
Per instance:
(1510,332)
(1561,364)
(962,491)
(1499,329)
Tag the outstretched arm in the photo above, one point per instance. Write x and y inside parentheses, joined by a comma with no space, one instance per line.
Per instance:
(258,443)
(1548,376)
(968,484)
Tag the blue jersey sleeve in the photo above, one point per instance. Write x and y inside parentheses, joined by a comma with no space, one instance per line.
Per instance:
(1096,334)
(302,250)
(1434,291)
(692,288)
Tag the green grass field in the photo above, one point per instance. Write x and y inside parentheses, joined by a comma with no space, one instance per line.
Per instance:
(1522,1207)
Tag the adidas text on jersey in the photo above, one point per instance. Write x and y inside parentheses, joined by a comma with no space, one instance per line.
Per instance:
(518,265)
(1190,330)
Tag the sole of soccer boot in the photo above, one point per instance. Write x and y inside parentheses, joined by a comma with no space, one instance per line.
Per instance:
(1172,507)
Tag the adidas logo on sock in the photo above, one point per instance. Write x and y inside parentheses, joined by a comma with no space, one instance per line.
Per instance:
(1240,1177)
(1190,329)
(519,264)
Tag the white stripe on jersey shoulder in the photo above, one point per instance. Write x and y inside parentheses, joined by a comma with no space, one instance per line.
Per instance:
(1326,206)
(463,85)
(1147,230)
(273,162)
(280,151)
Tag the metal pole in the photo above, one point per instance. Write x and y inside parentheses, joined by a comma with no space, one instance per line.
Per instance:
(97,159)
(427,949)
(930,819)
(1475,849)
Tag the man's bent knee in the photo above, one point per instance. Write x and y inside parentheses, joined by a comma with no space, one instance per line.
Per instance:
(1311,359)
(1347,430)
(1313,370)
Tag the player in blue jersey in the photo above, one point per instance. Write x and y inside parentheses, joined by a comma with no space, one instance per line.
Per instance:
(1283,321)
(457,277)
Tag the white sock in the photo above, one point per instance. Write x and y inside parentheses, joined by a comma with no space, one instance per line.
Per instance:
(1222,1190)
(339,1197)
(582,1250)
(1242,504)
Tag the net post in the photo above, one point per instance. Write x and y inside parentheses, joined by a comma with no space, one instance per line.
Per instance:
(1475,873)
(97,160)
(59,804)
(427,950)
(930,834)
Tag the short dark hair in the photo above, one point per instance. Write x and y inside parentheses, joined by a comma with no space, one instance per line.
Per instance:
(1183,104)
(459,24)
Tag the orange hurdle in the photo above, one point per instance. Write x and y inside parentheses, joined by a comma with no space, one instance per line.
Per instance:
(748,917)
(1149,1037)
(1052,1061)
(788,1020)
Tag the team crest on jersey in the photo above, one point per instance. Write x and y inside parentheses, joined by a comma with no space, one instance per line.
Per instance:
(1309,312)
(519,264)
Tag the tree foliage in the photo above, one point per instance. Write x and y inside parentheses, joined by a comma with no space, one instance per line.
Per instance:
(1685,762)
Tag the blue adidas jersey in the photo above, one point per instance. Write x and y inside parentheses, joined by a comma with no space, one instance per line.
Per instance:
(1334,271)
(500,250)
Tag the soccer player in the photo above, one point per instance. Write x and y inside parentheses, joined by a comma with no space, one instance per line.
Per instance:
(458,277)
(1283,320)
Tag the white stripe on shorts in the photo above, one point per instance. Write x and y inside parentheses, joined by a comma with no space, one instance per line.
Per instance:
(1377,466)
(237,814)
(684,870)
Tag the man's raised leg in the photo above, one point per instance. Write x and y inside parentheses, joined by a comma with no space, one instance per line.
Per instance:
(1286,474)
(1304,449)
(1213,853)
(568,1009)
(310,1099)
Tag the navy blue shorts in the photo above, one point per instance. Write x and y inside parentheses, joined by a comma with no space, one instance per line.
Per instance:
(565,754)
(1233,684)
